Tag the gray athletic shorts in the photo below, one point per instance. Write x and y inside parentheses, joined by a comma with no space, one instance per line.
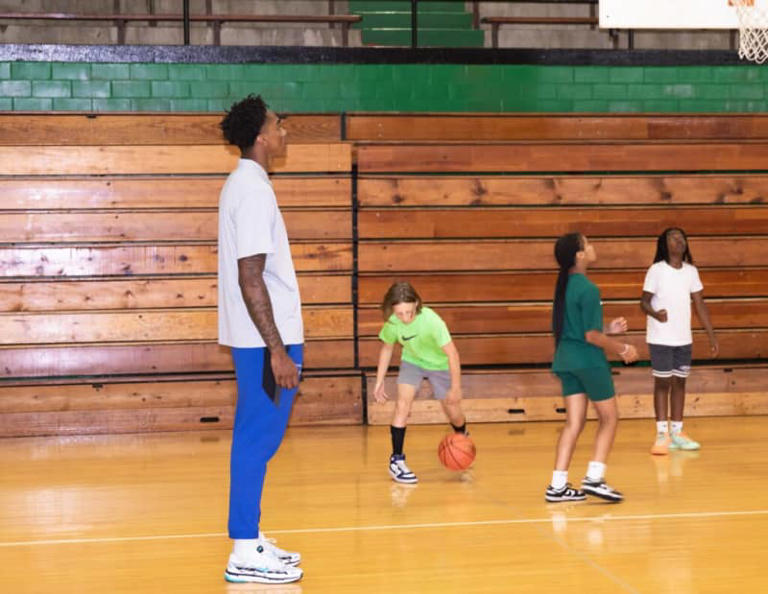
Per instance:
(668,361)
(413,374)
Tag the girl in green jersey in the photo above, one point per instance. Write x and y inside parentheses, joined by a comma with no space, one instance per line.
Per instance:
(583,370)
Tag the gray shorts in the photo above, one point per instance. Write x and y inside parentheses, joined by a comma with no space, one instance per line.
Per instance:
(413,374)
(668,361)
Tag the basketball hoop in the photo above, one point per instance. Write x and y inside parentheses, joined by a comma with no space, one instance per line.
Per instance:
(753,29)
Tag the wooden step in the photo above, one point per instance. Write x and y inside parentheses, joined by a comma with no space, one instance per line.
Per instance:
(534,395)
(538,349)
(104,193)
(562,190)
(138,259)
(148,293)
(573,157)
(166,160)
(148,129)
(536,285)
(537,254)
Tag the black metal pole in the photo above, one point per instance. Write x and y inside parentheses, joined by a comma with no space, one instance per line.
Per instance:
(414,23)
(186,22)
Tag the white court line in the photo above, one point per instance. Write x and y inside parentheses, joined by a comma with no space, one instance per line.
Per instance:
(606,518)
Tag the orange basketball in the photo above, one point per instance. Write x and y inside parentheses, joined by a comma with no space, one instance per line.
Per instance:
(456,451)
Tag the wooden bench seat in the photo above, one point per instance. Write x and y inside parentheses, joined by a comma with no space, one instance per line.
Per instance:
(159,226)
(162,403)
(523,317)
(160,159)
(82,129)
(561,190)
(581,127)
(179,324)
(140,259)
(534,395)
(406,256)
(496,222)
(187,192)
(538,349)
(563,157)
(149,292)
(135,358)
(538,285)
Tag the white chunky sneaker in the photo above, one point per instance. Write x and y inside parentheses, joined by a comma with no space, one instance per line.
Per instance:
(287,557)
(263,567)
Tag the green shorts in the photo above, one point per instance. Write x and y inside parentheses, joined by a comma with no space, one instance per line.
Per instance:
(595,382)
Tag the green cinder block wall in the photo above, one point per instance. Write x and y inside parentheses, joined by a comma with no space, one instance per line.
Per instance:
(99,87)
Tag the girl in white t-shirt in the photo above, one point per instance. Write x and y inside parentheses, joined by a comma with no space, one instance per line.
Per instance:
(670,285)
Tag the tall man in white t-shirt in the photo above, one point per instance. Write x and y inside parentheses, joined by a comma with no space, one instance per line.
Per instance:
(260,318)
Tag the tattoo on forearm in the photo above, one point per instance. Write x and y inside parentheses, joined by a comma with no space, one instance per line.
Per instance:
(250,275)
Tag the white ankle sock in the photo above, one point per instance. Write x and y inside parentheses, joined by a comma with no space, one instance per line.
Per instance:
(676,426)
(662,427)
(559,479)
(595,471)
(246,548)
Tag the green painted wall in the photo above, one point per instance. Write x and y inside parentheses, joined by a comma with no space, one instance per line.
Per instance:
(99,87)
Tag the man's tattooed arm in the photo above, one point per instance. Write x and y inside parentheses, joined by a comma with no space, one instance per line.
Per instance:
(250,273)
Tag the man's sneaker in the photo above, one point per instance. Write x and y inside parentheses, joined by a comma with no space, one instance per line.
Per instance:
(662,444)
(602,490)
(567,493)
(680,441)
(286,557)
(399,470)
(263,568)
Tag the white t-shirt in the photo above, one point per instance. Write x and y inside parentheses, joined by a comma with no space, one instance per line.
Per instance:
(671,288)
(250,223)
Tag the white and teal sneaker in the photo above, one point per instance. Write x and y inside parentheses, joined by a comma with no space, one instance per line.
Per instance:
(399,470)
(262,568)
(680,441)
(286,557)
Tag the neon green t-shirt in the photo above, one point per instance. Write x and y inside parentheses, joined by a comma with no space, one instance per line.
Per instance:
(423,339)
(583,312)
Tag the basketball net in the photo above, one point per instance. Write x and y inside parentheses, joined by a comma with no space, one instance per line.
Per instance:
(753,29)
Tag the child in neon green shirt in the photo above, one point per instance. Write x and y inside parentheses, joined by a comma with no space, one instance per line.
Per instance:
(428,353)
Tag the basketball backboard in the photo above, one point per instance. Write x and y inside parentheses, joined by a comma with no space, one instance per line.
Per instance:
(668,14)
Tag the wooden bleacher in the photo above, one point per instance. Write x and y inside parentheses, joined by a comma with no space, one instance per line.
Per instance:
(108,266)
(467,208)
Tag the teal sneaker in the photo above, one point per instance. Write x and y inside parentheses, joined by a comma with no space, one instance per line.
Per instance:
(680,441)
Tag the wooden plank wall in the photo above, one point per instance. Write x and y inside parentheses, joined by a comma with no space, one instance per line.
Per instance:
(108,272)
(467,207)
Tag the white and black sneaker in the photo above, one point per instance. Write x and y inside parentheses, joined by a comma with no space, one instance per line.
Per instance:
(567,493)
(601,489)
(263,568)
(399,470)
(286,557)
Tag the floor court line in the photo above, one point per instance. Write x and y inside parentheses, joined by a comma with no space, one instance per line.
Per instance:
(581,519)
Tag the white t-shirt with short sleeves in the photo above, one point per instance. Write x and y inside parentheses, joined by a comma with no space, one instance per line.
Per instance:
(671,288)
(250,223)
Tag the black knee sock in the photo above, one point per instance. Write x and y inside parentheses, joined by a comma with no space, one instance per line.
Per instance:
(398,437)
(460,429)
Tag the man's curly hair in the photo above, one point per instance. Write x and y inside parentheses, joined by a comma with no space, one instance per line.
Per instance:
(244,121)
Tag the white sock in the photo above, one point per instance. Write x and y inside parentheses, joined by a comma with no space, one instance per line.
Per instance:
(246,548)
(595,471)
(677,426)
(662,427)
(559,479)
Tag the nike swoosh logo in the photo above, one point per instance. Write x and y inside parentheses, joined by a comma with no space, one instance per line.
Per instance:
(409,337)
